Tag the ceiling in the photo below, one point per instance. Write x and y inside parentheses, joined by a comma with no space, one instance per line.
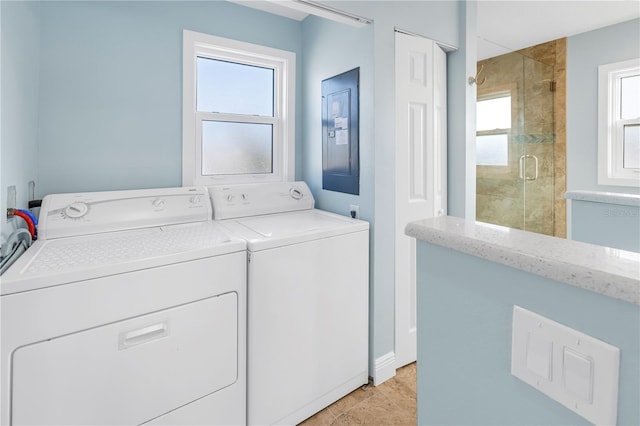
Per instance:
(504,26)
(507,25)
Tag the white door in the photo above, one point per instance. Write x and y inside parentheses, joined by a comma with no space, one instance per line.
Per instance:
(420,168)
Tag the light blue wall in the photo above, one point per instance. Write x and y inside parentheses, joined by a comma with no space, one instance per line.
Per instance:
(329,49)
(111,87)
(585,52)
(332,48)
(464,341)
(611,225)
(20,83)
(461,114)
(437,20)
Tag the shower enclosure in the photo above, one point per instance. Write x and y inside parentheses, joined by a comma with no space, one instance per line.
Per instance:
(515,143)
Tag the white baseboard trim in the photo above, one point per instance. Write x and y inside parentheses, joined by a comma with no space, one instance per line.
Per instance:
(384,369)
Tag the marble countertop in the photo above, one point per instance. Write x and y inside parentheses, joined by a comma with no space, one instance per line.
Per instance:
(608,271)
(604,197)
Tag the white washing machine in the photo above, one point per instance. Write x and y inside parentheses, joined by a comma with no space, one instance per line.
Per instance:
(129,309)
(308,299)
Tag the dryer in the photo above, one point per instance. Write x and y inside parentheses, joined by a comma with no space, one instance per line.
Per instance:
(129,309)
(308,298)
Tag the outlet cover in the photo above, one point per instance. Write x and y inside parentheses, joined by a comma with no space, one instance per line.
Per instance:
(570,367)
(356,209)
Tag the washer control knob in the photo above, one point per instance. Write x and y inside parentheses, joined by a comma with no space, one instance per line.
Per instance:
(158,203)
(245,197)
(76,210)
(230,197)
(296,194)
(195,199)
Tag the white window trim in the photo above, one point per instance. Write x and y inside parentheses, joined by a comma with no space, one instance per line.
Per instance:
(284,62)
(610,137)
(496,93)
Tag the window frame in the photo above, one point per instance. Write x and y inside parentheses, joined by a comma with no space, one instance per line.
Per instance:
(495,93)
(611,169)
(283,144)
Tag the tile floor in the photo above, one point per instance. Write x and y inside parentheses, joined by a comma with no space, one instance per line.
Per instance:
(393,403)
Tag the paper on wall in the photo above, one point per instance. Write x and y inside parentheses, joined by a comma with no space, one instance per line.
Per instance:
(342,137)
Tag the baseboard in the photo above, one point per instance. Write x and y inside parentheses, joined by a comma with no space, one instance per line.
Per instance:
(384,369)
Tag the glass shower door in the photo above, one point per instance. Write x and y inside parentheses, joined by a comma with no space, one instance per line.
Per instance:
(536,164)
(515,144)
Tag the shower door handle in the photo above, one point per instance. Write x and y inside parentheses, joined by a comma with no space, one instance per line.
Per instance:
(521,165)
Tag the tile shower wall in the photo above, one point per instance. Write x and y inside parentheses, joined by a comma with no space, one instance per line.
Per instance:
(502,197)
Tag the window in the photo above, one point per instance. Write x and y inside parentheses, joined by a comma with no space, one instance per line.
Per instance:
(238,112)
(493,124)
(619,123)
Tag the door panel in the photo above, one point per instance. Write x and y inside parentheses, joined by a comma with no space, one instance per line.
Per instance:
(420,168)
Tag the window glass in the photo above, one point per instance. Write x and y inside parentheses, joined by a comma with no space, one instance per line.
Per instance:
(233,88)
(493,114)
(230,148)
(619,123)
(631,151)
(630,97)
(492,150)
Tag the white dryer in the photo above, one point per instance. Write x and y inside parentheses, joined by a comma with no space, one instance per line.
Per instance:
(308,299)
(129,309)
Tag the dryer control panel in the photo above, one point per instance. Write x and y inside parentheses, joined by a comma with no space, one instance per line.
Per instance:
(68,215)
(234,201)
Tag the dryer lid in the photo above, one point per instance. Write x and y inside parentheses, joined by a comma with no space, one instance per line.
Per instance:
(283,225)
(276,230)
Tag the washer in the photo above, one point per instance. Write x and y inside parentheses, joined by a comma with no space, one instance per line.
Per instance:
(129,309)
(308,299)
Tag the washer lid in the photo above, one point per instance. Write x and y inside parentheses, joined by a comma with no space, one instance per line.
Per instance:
(65,260)
(276,230)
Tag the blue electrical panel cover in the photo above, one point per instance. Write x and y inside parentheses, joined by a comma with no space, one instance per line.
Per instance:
(340,123)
